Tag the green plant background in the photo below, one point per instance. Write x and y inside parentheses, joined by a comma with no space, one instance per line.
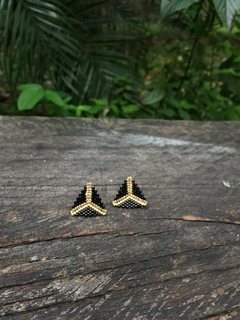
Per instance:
(164,59)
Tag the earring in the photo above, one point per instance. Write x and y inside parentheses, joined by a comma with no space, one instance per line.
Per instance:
(129,195)
(88,203)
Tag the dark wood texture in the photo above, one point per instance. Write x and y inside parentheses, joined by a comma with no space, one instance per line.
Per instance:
(178,258)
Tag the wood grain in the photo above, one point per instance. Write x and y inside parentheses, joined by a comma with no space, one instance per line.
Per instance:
(178,258)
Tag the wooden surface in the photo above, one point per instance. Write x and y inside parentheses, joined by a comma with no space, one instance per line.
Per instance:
(179,258)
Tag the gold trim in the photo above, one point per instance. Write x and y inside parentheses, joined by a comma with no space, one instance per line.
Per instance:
(129,196)
(129,185)
(88,203)
(89,193)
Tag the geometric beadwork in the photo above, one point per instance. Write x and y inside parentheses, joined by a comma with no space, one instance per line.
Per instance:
(129,195)
(88,203)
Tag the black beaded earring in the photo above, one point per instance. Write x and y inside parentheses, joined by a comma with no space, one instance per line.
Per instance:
(129,195)
(88,203)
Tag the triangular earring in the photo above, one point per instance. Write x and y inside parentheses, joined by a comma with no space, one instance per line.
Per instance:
(129,195)
(88,203)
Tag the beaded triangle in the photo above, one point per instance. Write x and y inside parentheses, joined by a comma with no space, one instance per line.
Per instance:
(129,195)
(88,203)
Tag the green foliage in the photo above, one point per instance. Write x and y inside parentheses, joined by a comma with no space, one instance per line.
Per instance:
(51,103)
(54,97)
(79,47)
(170,6)
(193,70)
(153,96)
(226,9)
(31,95)
(97,59)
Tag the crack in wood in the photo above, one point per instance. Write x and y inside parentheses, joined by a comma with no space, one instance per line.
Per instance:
(124,265)
(223,315)
(207,220)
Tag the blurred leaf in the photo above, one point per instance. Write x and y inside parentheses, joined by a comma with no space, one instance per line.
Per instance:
(130,109)
(184,115)
(100,102)
(63,95)
(173,102)
(78,111)
(54,97)
(237,109)
(66,100)
(186,105)
(232,116)
(170,6)
(78,46)
(23,87)
(58,111)
(154,96)
(30,97)
(41,39)
(115,109)
(226,10)
(84,108)
(168,112)
(229,71)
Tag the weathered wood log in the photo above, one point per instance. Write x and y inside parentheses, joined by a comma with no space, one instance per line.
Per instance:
(177,258)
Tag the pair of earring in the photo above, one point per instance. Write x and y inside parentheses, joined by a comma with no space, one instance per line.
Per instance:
(89,203)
